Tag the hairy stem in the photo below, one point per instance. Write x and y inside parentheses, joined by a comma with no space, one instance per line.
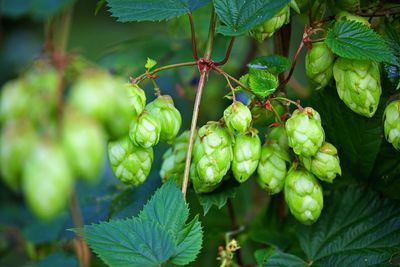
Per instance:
(228,53)
(166,67)
(192,30)
(203,75)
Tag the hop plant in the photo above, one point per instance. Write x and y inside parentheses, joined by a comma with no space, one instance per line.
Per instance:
(237,117)
(174,159)
(47,181)
(358,84)
(137,98)
(392,123)
(84,144)
(325,165)
(168,116)
(305,133)
(267,28)
(131,164)
(212,155)
(278,135)
(145,130)
(246,155)
(199,185)
(303,195)
(272,168)
(319,64)
(14,100)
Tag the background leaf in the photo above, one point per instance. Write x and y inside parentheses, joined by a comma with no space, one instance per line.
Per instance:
(240,16)
(274,64)
(280,259)
(151,10)
(354,40)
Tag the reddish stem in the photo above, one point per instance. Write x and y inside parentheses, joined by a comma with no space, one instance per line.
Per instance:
(228,53)
(194,46)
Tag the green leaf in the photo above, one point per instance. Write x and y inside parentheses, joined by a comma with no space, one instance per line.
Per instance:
(280,259)
(189,243)
(150,63)
(262,255)
(99,5)
(274,64)
(356,227)
(354,40)
(151,10)
(240,16)
(218,197)
(262,82)
(295,6)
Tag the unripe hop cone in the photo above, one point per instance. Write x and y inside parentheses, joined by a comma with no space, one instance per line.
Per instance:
(303,195)
(358,84)
(145,130)
(392,123)
(174,158)
(325,164)
(272,168)
(212,155)
(131,164)
(47,180)
(237,117)
(278,135)
(168,116)
(305,133)
(319,64)
(267,28)
(246,155)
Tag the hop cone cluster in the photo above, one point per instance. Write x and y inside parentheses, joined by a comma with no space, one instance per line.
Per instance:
(272,168)
(174,159)
(246,154)
(131,164)
(392,123)
(237,117)
(319,64)
(358,84)
(267,28)
(305,133)
(303,195)
(325,164)
(212,156)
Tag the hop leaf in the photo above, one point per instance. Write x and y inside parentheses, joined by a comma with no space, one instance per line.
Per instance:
(150,63)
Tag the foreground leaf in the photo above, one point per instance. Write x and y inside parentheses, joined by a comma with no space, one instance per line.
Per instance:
(262,82)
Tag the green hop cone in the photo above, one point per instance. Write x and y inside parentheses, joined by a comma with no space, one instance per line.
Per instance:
(131,164)
(14,101)
(137,98)
(237,117)
(272,168)
(145,130)
(47,180)
(168,116)
(174,159)
(268,27)
(303,195)
(199,185)
(212,154)
(246,155)
(84,143)
(392,123)
(304,131)
(325,164)
(358,84)
(17,138)
(278,135)
(319,64)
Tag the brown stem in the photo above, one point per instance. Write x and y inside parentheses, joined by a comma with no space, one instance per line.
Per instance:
(228,53)
(193,34)
(234,227)
(167,67)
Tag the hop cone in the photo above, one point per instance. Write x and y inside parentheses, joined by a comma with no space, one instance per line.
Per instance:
(358,84)
(303,195)
(237,117)
(267,28)
(131,164)
(145,130)
(319,64)
(174,159)
(137,98)
(392,123)
(84,144)
(17,138)
(212,154)
(47,180)
(246,154)
(168,116)
(325,164)
(14,101)
(305,133)
(199,185)
(278,135)
(272,167)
